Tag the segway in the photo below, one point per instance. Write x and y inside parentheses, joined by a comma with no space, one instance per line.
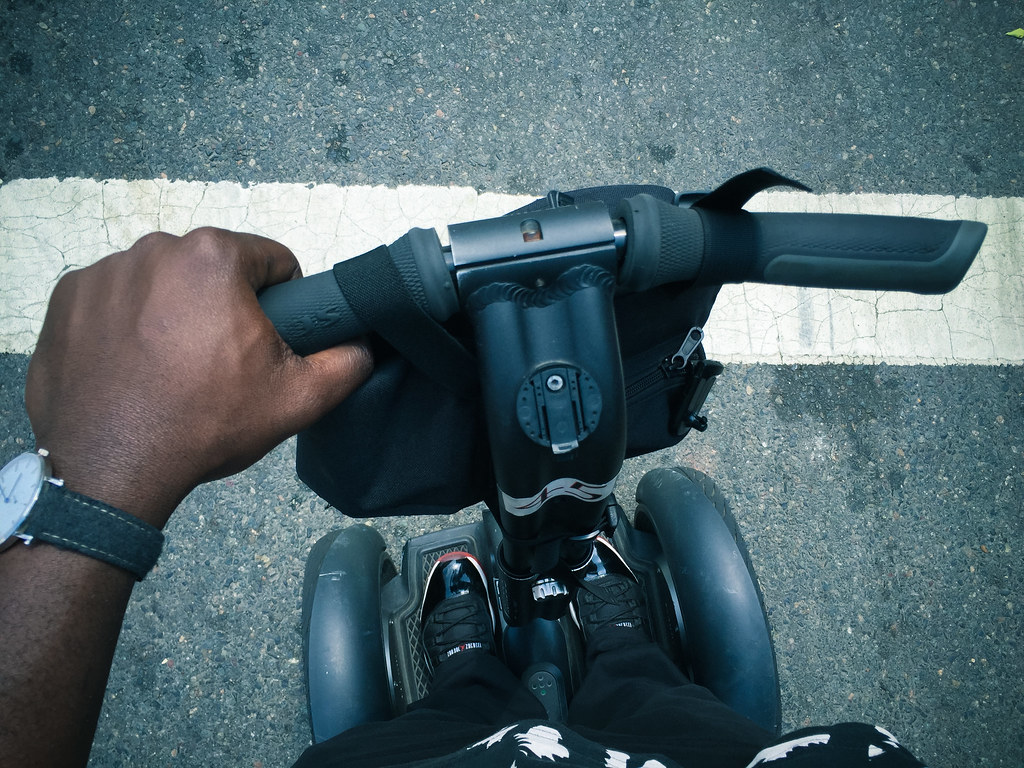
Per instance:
(543,296)
(362,653)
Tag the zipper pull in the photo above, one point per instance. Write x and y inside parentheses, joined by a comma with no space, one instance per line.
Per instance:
(692,341)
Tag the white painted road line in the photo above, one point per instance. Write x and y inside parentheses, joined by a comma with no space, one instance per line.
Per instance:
(49,226)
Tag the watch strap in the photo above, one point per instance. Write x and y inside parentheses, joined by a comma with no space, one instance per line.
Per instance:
(72,521)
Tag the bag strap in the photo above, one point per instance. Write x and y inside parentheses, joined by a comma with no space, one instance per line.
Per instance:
(610,196)
(737,191)
(376,292)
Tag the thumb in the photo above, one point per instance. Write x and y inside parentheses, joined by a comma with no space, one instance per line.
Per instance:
(326,378)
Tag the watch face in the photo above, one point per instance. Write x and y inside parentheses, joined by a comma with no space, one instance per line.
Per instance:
(20,482)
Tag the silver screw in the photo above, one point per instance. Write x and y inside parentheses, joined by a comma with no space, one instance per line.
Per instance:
(555,382)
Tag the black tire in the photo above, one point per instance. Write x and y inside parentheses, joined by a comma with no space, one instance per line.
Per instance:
(343,640)
(728,643)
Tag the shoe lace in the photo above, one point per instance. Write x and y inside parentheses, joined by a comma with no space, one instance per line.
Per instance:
(609,600)
(458,620)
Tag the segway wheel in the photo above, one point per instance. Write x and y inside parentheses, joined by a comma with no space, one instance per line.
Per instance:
(344,653)
(718,601)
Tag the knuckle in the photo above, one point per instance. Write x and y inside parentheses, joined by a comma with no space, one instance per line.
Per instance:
(153,241)
(208,249)
(206,241)
(67,282)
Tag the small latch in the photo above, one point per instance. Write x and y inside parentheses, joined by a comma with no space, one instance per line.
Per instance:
(686,410)
(690,344)
(558,199)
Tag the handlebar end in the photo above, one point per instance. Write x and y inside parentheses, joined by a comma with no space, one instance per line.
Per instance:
(940,274)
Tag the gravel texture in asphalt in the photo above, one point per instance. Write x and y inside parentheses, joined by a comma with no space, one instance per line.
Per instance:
(881,505)
(511,96)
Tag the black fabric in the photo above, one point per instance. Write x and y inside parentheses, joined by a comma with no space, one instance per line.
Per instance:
(403,444)
(400,445)
(633,700)
(471,696)
(610,196)
(846,745)
(378,295)
(737,191)
(634,709)
(72,521)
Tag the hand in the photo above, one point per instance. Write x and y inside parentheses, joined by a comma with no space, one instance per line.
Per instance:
(157,370)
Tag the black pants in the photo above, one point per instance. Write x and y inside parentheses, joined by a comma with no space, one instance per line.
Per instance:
(633,699)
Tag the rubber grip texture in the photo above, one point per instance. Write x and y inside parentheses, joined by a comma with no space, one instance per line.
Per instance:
(312,313)
(665,244)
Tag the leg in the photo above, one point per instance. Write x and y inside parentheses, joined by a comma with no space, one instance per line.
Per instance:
(479,690)
(847,745)
(472,696)
(636,700)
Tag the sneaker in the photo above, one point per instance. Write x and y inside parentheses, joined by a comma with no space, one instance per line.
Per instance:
(456,615)
(608,593)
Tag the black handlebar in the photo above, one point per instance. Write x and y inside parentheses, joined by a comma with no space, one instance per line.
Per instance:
(661,243)
(822,250)
(312,313)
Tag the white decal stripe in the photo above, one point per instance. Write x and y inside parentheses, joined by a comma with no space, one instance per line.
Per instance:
(563,486)
(49,226)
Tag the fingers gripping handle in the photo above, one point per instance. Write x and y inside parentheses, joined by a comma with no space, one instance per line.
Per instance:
(312,313)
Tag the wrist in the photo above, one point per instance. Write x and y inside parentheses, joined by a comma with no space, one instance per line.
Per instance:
(117,483)
(37,507)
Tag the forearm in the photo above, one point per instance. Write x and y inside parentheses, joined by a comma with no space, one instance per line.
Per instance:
(60,617)
(155,370)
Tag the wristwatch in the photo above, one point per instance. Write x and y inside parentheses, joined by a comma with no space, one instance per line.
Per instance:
(35,506)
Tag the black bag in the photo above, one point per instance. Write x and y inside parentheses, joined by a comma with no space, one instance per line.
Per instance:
(403,444)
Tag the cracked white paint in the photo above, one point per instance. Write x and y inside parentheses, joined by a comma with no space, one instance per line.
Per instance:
(981,321)
(48,227)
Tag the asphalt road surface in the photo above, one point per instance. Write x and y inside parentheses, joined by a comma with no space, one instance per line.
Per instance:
(881,503)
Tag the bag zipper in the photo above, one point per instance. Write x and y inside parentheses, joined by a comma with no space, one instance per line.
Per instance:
(672,366)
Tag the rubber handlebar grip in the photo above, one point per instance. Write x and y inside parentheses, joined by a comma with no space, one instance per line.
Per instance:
(666,243)
(884,253)
(311,313)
